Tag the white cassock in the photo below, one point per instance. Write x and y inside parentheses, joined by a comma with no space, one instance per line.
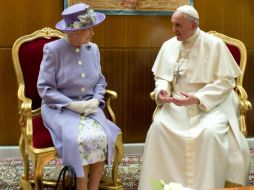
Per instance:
(198,146)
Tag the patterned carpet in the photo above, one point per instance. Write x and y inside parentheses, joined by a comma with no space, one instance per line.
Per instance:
(11,169)
(129,170)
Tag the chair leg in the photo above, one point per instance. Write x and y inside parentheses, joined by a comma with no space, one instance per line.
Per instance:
(117,160)
(25,157)
(39,160)
(38,165)
(24,179)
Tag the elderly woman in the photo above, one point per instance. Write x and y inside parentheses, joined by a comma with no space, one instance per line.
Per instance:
(72,89)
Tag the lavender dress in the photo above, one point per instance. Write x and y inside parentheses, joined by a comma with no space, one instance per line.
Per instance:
(68,73)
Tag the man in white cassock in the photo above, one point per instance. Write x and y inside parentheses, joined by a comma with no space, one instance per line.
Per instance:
(195,139)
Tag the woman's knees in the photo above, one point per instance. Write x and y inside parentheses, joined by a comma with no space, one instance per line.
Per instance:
(97,169)
(94,171)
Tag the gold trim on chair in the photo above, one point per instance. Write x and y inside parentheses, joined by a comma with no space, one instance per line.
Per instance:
(152,96)
(110,95)
(40,156)
(245,104)
(242,49)
(43,33)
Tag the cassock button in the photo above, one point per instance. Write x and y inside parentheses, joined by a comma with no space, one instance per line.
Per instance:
(82,75)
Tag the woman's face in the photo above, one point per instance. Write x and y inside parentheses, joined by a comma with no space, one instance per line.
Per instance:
(80,37)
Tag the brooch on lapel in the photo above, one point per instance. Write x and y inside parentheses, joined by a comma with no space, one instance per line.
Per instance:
(88,47)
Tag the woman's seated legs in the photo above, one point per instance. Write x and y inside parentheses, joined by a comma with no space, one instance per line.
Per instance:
(83,181)
(95,174)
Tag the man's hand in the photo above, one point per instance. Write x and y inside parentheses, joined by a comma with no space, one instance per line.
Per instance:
(188,99)
(164,97)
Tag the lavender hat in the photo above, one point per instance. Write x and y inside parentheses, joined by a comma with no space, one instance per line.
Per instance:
(79,16)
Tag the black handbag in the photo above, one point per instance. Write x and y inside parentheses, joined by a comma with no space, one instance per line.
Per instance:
(66,179)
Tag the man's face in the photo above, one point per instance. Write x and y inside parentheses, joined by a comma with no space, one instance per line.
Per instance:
(182,27)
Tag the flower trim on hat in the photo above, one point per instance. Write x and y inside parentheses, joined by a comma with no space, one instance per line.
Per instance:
(85,20)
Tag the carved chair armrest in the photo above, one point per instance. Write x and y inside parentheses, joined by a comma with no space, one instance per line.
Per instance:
(119,149)
(245,106)
(110,95)
(25,111)
(152,95)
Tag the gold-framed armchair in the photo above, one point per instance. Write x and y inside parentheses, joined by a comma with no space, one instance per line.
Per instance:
(239,52)
(35,141)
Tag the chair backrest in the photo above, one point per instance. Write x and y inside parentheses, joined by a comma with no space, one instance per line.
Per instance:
(237,49)
(27,54)
(239,52)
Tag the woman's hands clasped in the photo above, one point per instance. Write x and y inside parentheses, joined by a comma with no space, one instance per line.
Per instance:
(85,107)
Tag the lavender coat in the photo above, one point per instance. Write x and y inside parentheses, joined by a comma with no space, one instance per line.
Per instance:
(60,82)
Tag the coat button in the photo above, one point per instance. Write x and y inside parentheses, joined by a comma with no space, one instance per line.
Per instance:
(82,75)
(80,62)
(82,89)
(77,50)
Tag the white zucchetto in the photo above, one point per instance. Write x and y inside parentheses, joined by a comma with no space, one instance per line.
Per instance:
(188,10)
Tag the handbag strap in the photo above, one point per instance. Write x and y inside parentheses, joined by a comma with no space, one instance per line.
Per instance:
(66,169)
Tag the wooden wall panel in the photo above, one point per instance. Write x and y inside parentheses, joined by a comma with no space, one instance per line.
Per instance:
(111,33)
(9,22)
(133,31)
(248,25)
(9,130)
(39,14)
(210,14)
(140,84)
(160,30)
(128,72)
(129,45)
(137,31)
(25,17)
(231,17)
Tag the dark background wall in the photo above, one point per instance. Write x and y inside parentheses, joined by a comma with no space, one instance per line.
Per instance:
(129,45)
